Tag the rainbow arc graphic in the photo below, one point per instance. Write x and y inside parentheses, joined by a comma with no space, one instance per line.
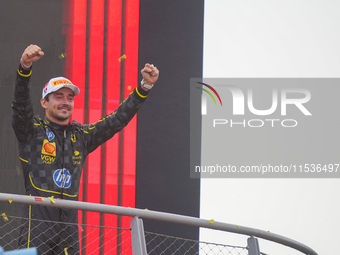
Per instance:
(209,93)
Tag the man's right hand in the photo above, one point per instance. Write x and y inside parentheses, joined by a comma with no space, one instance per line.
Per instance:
(31,54)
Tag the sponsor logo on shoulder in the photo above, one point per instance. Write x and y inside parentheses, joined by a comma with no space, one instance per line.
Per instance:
(62,178)
(50,135)
(73,138)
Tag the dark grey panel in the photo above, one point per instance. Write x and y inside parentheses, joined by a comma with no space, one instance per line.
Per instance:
(171,37)
(23,23)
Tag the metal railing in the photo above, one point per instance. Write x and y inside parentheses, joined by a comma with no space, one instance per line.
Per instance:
(89,235)
(154,242)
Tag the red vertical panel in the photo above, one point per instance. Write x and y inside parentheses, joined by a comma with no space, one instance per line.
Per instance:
(75,58)
(95,63)
(75,29)
(76,52)
(130,77)
(113,47)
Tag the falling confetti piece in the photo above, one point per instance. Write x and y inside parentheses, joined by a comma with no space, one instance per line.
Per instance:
(146,209)
(211,221)
(18,170)
(5,217)
(122,58)
(10,200)
(51,198)
(129,87)
(62,55)
(39,199)
(237,226)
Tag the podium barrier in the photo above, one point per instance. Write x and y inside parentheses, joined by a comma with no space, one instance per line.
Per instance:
(138,235)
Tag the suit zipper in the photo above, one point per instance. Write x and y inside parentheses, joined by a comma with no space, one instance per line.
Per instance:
(63,158)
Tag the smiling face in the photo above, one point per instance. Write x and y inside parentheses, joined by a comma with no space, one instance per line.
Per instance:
(59,106)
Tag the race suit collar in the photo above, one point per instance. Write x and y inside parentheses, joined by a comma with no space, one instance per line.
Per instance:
(55,125)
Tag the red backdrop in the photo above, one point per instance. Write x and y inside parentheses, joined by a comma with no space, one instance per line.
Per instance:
(98,33)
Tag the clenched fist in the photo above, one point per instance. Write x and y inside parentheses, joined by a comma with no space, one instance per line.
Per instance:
(31,54)
(150,74)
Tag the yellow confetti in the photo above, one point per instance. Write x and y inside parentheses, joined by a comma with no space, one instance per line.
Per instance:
(146,209)
(18,170)
(122,58)
(62,55)
(5,216)
(237,226)
(10,200)
(211,221)
(51,198)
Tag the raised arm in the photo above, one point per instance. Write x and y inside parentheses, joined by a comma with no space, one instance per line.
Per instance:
(104,129)
(22,118)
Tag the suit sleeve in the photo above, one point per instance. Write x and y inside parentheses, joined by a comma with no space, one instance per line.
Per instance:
(22,118)
(108,126)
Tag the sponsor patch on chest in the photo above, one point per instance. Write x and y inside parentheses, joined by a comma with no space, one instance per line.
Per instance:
(48,148)
(50,135)
(62,178)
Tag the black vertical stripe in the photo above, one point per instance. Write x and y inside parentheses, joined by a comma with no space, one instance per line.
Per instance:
(121,133)
(104,108)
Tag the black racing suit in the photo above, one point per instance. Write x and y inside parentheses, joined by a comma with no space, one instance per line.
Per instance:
(52,157)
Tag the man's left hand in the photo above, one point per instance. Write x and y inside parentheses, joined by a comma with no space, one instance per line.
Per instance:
(150,74)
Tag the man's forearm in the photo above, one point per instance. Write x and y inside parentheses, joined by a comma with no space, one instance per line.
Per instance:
(22,118)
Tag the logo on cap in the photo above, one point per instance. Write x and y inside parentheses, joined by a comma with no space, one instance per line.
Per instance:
(61,82)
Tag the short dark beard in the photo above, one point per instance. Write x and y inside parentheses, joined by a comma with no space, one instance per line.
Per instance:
(60,118)
(57,117)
